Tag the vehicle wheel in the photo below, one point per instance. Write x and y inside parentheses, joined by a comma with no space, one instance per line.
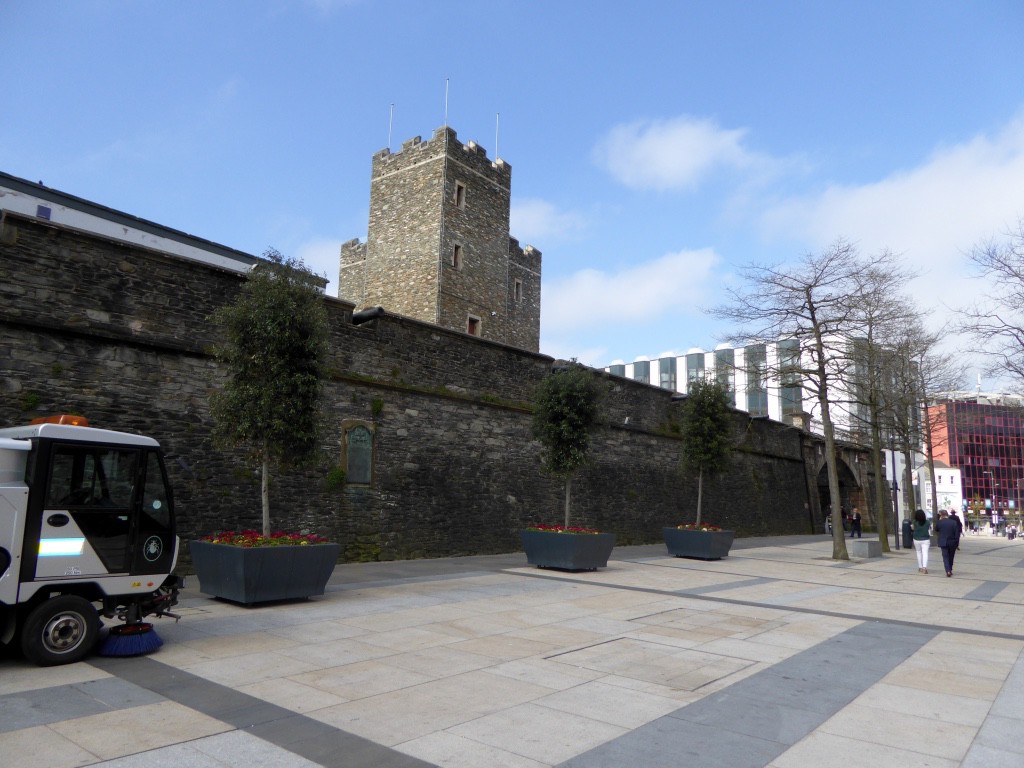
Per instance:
(60,631)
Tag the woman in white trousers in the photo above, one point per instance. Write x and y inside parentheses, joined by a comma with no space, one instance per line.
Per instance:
(922,540)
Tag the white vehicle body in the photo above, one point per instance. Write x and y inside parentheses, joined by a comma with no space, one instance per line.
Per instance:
(86,516)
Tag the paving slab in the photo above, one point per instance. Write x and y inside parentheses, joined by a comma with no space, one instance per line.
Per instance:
(773,656)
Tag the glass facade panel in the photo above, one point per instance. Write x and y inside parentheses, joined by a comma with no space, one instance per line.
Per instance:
(617,370)
(667,373)
(725,370)
(695,366)
(642,371)
(790,378)
(757,379)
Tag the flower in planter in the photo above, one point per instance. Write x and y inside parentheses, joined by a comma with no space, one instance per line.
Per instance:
(257,539)
(701,527)
(561,529)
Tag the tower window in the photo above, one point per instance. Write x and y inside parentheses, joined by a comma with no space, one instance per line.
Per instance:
(473,325)
(460,194)
(517,290)
(457,256)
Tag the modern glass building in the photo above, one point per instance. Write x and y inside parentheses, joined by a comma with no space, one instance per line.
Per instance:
(983,436)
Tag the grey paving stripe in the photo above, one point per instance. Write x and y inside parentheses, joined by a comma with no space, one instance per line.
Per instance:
(986,590)
(789,608)
(67,702)
(319,742)
(767,713)
(731,585)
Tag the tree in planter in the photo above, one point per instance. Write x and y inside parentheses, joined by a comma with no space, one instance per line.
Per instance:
(568,407)
(706,428)
(275,339)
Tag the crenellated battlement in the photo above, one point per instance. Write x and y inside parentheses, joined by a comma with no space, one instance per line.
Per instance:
(416,150)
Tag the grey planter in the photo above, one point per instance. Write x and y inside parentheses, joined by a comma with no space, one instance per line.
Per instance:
(567,551)
(262,574)
(700,545)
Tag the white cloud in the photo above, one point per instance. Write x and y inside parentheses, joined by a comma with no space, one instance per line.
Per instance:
(537,221)
(931,215)
(672,154)
(590,298)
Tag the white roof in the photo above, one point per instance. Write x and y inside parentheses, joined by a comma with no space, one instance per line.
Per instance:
(68,432)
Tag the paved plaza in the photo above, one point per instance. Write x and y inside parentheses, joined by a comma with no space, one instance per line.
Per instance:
(775,656)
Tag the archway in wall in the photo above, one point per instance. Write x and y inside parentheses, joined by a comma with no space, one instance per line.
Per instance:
(850,493)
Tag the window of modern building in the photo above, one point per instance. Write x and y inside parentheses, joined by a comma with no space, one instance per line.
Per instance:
(617,370)
(790,377)
(757,379)
(642,371)
(667,373)
(725,369)
(694,366)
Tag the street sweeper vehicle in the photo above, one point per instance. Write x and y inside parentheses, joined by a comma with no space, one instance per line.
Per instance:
(86,530)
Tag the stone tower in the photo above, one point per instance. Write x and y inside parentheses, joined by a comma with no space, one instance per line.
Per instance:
(438,247)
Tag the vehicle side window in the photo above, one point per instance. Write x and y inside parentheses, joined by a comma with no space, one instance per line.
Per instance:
(89,476)
(154,493)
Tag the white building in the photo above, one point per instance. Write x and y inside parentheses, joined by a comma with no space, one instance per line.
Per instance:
(46,204)
(948,488)
(750,374)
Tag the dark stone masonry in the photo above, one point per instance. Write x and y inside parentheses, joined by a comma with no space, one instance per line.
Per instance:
(121,334)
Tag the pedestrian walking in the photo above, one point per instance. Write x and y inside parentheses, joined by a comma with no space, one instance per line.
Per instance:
(922,540)
(949,539)
(855,523)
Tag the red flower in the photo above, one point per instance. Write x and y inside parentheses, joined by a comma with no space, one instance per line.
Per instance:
(257,539)
(703,527)
(561,529)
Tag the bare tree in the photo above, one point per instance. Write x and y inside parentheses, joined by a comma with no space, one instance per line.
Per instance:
(809,303)
(938,372)
(882,312)
(999,324)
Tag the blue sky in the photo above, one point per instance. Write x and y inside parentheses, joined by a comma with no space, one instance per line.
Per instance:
(655,146)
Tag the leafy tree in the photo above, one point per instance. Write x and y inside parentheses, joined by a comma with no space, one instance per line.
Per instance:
(706,431)
(568,408)
(275,339)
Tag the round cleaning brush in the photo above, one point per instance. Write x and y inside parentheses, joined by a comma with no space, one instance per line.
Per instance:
(130,640)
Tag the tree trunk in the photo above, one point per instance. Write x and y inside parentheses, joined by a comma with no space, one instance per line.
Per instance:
(700,493)
(568,496)
(838,536)
(908,483)
(265,489)
(881,518)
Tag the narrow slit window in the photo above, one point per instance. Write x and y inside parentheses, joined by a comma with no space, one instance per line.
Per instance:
(457,256)
(460,194)
(517,290)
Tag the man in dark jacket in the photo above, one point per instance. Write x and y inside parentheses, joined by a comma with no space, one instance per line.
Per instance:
(949,539)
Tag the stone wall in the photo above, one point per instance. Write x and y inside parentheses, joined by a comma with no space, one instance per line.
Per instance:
(121,334)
